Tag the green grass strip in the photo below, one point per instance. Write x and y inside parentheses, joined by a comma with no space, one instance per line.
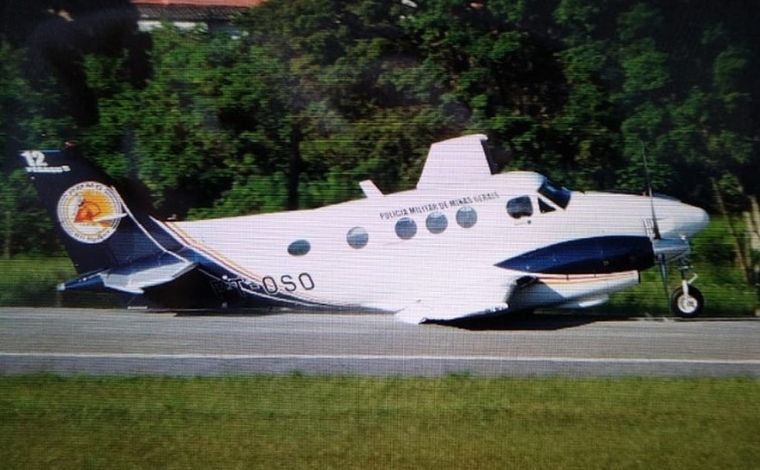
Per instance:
(341,422)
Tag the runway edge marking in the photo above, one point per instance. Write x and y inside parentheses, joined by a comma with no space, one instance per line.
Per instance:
(624,360)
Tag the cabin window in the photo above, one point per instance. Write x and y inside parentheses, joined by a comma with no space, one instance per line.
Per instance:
(299,247)
(357,237)
(466,217)
(544,207)
(406,228)
(557,194)
(436,222)
(520,207)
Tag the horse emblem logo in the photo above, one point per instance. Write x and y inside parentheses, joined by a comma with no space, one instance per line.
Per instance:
(90,212)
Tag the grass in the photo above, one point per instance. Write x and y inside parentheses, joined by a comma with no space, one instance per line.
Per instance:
(309,422)
(724,292)
(32,281)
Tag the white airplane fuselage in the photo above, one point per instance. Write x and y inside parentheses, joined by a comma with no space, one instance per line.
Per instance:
(453,270)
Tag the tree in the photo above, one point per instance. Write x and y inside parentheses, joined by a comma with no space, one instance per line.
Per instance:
(319,94)
(642,99)
(588,125)
(358,102)
(500,73)
(165,135)
(29,118)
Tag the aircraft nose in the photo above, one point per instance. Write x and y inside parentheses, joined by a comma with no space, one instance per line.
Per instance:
(691,220)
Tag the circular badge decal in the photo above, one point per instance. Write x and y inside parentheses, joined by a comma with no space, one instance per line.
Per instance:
(89,212)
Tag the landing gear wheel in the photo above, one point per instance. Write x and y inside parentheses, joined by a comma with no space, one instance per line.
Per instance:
(687,306)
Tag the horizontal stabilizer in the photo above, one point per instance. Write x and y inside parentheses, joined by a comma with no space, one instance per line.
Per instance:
(135,277)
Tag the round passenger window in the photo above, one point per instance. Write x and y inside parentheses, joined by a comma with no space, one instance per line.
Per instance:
(299,247)
(406,228)
(357,237)
(436,222)
(467,217)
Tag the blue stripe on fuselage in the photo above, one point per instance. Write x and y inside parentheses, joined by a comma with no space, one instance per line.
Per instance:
(596,255)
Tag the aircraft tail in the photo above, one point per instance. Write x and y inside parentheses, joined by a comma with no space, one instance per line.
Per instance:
(112,243)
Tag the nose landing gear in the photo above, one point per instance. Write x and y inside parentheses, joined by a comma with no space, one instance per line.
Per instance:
(686,301)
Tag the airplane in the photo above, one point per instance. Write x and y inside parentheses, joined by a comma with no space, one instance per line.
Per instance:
(464,243)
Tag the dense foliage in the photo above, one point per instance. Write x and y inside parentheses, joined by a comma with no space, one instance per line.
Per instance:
(316,95)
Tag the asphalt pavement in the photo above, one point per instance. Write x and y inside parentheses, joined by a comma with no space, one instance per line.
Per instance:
(122,342)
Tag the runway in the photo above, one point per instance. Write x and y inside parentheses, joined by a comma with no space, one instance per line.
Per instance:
(120,342)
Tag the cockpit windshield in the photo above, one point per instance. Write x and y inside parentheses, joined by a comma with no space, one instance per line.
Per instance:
(559,195)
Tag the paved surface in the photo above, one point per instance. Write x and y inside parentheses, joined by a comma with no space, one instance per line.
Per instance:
(81,341)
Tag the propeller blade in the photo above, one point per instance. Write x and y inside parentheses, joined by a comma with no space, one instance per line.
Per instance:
(655,225)
(664,275)
(661,258)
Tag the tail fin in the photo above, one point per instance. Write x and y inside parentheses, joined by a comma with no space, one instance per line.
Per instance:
(96,225)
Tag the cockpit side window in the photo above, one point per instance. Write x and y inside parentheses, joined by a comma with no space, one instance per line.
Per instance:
(545,207)
(520,207)
(557,194)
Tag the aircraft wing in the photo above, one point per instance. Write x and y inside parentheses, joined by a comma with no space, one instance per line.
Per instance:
(455,161)
(421,312)
(466,302)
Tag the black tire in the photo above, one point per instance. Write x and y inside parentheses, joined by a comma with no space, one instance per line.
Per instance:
(685,307)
